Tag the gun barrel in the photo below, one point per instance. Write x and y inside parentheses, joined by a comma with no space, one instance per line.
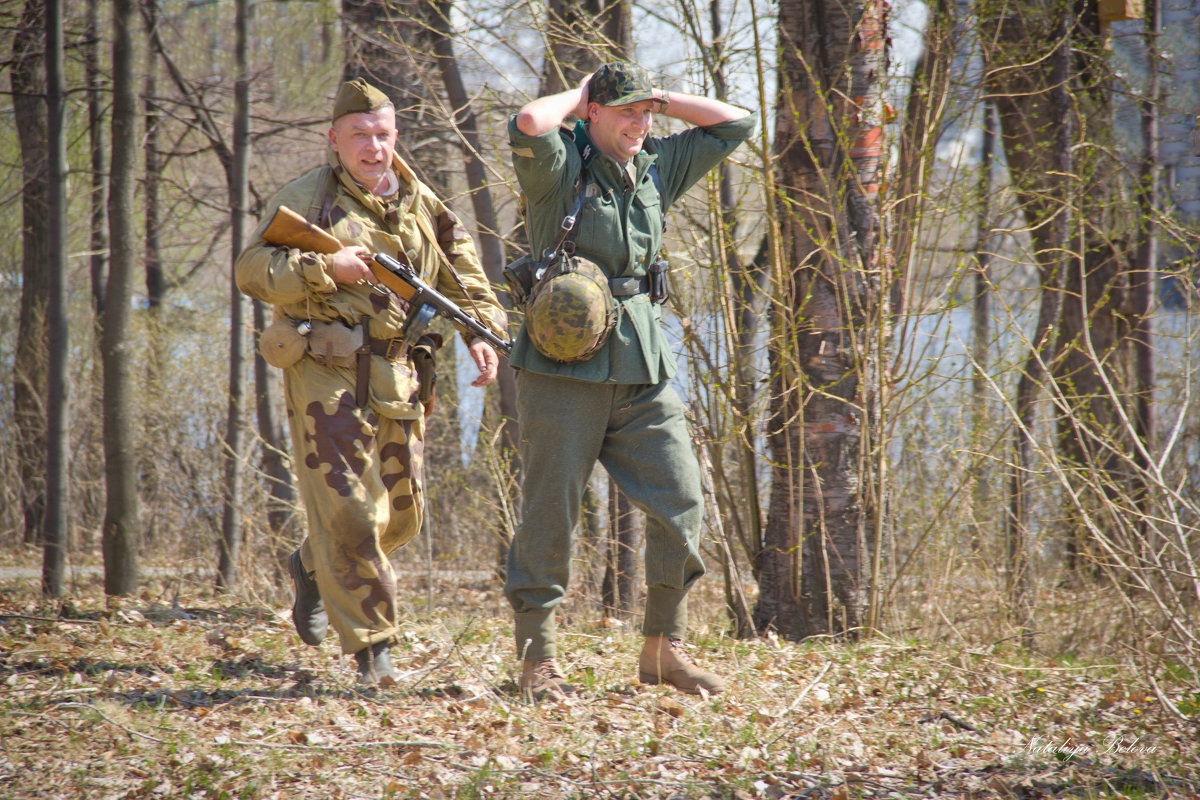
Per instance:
(424,293)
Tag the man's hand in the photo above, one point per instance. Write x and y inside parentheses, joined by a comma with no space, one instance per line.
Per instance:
(580,110)
(348,267)
(697,110)
(485,359)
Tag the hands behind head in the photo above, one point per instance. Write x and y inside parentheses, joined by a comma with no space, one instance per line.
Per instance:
(581,109)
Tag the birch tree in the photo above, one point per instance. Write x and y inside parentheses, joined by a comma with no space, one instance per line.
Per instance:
(820,568)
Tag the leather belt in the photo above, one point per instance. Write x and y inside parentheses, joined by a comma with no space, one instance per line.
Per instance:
(628,287)
(391,349)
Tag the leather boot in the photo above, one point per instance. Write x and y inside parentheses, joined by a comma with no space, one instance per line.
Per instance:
(542,678)
(375,665)
(663,660)
(308,612)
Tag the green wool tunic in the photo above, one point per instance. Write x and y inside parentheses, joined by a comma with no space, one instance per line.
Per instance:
(621,229)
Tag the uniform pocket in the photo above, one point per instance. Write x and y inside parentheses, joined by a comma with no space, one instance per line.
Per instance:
(394,388)
(646,221)
(600,230)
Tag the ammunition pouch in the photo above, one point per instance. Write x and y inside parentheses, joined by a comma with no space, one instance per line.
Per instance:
(333,344)
(659,288)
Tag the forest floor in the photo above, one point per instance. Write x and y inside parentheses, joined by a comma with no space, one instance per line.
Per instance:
(182,693)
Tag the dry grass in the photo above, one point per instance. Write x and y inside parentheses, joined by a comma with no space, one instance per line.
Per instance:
(180,694)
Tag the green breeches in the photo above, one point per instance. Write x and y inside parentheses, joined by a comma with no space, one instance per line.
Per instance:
(639,434)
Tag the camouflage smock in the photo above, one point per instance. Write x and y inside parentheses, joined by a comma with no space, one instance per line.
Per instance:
(300,285)
(620,229)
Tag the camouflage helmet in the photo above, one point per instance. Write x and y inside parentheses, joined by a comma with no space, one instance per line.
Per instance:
(571,311)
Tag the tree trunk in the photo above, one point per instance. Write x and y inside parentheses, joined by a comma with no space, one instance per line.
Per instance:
(238,180)
(390,44)
(155,282)
(95,90)
(822,555)
(30,361)
(121,524)
(981,315)
(1142,295)
(1093,370)
(748,284)
(281,491)
(620,570)
(1034,113)
(491,246)
(55,532)
(924,121)
(583,34)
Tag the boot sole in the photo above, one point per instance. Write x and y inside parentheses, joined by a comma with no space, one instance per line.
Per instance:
(657,680)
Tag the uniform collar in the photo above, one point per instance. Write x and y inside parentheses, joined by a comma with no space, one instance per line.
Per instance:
(386,208)
(632,170)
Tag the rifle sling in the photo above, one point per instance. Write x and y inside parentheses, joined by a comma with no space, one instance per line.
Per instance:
(427,231)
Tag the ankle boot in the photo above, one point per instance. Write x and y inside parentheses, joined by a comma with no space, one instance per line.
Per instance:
(308,612)
(542,677)
(663,660)
(375,665)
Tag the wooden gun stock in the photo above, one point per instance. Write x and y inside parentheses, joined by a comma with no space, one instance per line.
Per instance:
(289,229)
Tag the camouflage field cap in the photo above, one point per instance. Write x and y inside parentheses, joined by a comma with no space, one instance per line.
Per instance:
(618,83)
(358,97)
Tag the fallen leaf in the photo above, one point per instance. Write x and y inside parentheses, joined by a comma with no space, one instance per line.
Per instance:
(671,706)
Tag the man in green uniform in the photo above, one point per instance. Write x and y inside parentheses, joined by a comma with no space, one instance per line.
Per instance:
(617,405)
(357,421)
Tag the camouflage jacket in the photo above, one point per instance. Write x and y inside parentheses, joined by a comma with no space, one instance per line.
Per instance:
(299,283)
(621,229)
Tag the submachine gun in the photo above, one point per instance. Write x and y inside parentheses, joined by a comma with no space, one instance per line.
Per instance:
(289,229)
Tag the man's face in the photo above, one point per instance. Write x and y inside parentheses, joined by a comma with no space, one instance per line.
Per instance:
(365,143)
(619,131)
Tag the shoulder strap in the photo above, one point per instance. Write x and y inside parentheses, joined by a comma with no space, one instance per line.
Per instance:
(565,239)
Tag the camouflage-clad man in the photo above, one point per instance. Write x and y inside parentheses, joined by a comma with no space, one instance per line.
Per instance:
(358,439)
(616,405)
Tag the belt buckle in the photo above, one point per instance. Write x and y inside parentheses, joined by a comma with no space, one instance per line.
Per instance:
(394,349)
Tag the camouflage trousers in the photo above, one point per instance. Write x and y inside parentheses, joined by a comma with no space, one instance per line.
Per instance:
(640,435)
(359,473)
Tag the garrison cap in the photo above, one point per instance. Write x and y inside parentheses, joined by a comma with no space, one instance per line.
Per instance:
(618,83)
(358,97)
